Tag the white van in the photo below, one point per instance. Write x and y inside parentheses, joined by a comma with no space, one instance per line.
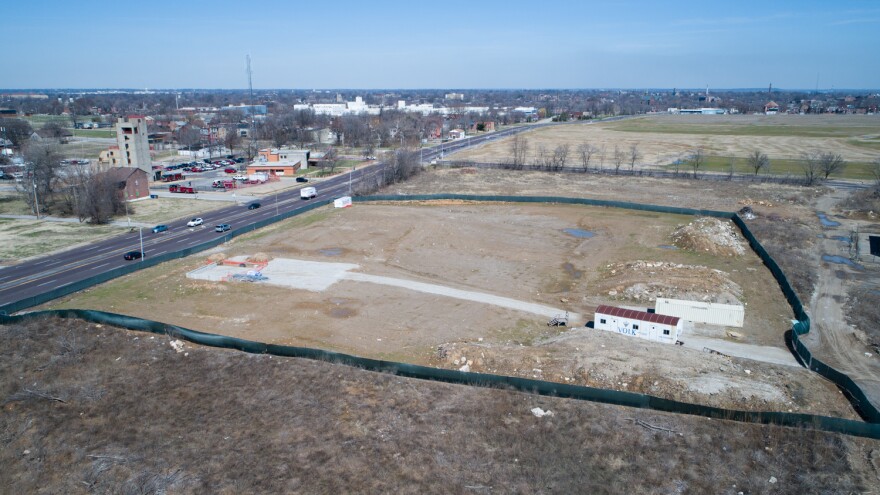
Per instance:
(307,193)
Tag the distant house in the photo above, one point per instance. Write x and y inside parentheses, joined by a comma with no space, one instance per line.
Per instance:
(51,135)
(456,134)
(771,108)
(133,183)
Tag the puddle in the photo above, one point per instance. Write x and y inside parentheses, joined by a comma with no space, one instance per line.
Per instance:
(331,251)
(585,234)
(841,238)
(667,246)
(825,222)
(572,272)
(840,260)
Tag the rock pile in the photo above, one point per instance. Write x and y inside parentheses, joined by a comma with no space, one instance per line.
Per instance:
(711,235)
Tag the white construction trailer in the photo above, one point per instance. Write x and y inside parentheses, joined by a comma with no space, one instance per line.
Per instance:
(641,324)
(728,315)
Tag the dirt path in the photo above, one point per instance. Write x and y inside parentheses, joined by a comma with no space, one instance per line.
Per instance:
(831,339)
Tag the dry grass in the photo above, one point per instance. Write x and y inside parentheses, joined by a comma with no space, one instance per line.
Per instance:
(90,409)
(24,238)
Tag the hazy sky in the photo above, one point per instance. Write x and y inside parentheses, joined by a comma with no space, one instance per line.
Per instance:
(440,44)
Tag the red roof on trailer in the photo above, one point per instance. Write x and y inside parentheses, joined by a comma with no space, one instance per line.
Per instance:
(637,315)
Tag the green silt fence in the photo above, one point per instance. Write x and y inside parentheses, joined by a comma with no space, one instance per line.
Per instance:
(801,326)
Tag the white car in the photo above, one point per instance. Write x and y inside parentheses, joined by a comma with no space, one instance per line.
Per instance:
(239,177)
(195,222)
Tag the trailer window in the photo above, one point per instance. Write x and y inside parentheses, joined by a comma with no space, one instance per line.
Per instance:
(635,327)
(665,332)
(602,321)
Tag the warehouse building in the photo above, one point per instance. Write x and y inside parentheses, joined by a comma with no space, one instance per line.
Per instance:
(728,315)
(641,324)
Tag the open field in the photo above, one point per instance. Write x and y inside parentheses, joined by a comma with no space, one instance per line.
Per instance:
(663,139)
(92,409)
(163,210)
(98,133)
(516,251)
(21,239)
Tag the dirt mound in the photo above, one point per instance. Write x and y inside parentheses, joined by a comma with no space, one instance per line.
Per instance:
(712,235)
(645,281)
(217,257)
(259,258)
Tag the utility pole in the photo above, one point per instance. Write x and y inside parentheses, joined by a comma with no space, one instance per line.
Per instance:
(36,201)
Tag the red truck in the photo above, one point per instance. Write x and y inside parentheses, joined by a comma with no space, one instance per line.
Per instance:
(181,189)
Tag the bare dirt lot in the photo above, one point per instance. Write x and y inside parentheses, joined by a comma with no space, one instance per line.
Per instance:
(517,251)
(92,409)
(662,139)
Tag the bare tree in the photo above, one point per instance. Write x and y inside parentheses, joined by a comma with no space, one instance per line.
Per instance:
(519,148)
(330,161)
(542,156)
(758,161)
(697,160)
(43,163)
(17,131)
(811,166)
(831,163)
(619,156)
(602,158)
(731,167)
(586,152)
(634,155)
(98,197)
(560,156)
(875,170)
(369,149)
(232,139)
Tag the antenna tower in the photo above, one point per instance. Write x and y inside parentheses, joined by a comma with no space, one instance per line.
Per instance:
(253,132)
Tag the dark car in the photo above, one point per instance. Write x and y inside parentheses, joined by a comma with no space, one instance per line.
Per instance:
(133,255)
(239,160)
(302,179)
(159,228)
(254,206)
(223,227)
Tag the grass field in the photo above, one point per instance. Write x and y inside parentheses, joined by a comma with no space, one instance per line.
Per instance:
(806,126)
(779,166)
(24,238)
(99,133)
(663,139)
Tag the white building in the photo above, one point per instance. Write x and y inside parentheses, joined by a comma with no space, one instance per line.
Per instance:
(134,149)
(728,315)
(648,326)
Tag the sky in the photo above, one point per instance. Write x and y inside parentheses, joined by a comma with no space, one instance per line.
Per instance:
(450,44)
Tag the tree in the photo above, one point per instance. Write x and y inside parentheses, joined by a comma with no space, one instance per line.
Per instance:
(330,160)
(697,160)
(519,147)
(232,139)
(97,197)
(731,167)
(16,130)
(586,151)
(189,136)
(811,166)
(758,161)
(619,156)
(831,163)
(875,170)
(560,156)
(369,149)
(43,162)
(634,155)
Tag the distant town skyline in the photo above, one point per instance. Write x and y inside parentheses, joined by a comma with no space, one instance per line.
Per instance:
(469,45)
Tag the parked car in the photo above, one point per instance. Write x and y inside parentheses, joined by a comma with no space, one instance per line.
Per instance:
(133,255)
(239,177)
(223,227)
(159,228)
(302,179)
(254,206)
(230,170)
(195,222)
(239,160)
